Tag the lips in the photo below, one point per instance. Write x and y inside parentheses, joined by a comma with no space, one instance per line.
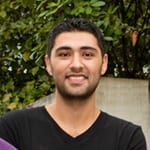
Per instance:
(76,78)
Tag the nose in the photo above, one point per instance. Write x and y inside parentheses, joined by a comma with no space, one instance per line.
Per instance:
(76,63)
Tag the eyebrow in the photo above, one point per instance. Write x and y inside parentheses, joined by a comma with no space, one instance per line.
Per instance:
(63,48)
(87,47)
(81,48)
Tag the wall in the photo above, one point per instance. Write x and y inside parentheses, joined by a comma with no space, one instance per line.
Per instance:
(124,98)
(127,99)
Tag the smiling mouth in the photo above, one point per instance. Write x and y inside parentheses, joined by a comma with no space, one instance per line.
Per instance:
(76,78)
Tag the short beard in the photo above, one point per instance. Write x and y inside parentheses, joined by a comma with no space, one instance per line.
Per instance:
(77,97)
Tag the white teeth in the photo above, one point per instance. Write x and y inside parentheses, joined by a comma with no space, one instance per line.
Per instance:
(76,77)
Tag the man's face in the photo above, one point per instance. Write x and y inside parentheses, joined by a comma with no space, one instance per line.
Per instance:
(76,64)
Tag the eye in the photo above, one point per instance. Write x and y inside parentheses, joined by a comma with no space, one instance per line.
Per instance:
(64,54)
(88,55)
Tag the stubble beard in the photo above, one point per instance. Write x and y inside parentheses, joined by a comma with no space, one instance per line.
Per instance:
(82,95)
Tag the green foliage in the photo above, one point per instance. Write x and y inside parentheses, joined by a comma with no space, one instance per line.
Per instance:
(24,26)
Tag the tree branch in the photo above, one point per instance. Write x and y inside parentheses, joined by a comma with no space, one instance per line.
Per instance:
(131,2)
(124,43)
(145,18)
(122,10)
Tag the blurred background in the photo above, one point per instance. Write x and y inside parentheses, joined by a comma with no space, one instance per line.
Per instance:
(25,24)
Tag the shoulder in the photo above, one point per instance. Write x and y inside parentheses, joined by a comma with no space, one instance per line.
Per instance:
(120,126)
(127,133)
(117,122)
(20,116)
(14,124)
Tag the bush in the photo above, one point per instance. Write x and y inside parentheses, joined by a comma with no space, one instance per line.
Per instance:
(24,28)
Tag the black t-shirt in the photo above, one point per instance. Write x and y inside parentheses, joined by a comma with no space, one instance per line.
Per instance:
(34,129)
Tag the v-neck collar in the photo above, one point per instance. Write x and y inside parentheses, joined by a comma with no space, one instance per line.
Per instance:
(62,135)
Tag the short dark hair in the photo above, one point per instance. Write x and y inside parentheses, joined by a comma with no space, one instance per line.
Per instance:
(75,24)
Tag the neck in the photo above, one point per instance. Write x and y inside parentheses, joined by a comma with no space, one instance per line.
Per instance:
(74,116)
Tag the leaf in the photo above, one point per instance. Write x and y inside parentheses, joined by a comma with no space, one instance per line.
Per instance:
(59,5)
(93,1)
(34,70)
(43,14)
(98,4)
(88,10)
(106,22)
(40,5)
(12,105)
(52,4)
(10,85)
(3,14)
(108,38)
(6,58)
(52,12)
(6,97)
(26,56)
(28,3)
(4,68)
(115,9)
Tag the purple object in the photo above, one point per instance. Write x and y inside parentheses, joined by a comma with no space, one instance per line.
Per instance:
(4,145)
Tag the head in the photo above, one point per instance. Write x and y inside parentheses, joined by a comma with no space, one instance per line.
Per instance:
(76,58)
(75,24)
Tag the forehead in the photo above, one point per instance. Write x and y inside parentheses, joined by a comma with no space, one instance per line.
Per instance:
(76,38)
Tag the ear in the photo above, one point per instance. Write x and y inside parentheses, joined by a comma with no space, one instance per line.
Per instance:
(48,65)
(104,64)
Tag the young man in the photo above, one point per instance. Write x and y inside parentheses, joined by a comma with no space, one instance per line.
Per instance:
(76,60)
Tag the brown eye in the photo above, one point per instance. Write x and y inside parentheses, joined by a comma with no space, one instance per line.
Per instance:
(88,55)
(64,54)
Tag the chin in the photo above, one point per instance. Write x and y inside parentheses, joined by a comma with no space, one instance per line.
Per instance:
(76,95)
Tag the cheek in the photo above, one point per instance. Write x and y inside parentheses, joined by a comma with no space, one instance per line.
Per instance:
(59,67)
(94,67)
